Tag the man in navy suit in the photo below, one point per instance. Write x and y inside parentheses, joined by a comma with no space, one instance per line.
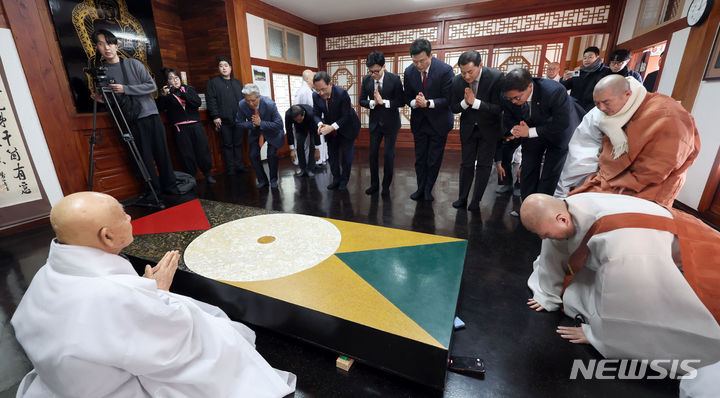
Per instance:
(259,115)
(382,93)
(476,97)
(543,116)
(337,121)
(300,124)
(427,91)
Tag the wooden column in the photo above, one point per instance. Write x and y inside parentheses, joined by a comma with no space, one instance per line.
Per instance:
(239,41)
(697,51)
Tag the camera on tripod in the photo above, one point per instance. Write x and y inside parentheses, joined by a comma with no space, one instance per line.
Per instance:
(100,77)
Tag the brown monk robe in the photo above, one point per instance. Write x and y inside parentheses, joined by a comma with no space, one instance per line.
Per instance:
(662,142)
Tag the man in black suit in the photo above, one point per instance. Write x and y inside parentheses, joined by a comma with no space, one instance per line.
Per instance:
(427,91)
(541,114)
(382,93)
(476,96)
(300,122)
(337,121)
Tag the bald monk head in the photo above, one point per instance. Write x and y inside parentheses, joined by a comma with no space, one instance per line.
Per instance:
(547,216)
(308,76)
(611,93)
(91,219)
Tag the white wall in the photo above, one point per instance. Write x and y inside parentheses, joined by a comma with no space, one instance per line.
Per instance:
(627,25)
(256,36)
(673,57)
(28,118)
(705,111)
(258,49)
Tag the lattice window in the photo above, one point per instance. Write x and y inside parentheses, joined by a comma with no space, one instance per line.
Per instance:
(529,23)
(345,74)
(403,62)
(509,58)
(390,67)
(451,58)
(378,39)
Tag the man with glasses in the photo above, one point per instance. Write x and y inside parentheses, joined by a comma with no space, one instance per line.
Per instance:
(382,93)
(338,122)
(541,114)
(427,86)
(619,60)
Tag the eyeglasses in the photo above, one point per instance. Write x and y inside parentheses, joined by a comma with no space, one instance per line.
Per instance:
(616,62)
(374,72)
(515,98)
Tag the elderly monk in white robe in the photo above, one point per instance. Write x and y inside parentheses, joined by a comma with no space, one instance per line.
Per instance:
(93,328)
(625,254)
(633,143)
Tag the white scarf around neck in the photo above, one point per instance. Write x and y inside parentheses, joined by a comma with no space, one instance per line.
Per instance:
(612,126)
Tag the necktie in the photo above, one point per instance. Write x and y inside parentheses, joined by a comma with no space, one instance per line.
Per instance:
(329,101)
(474,87)
(525,108)
(257,114)
(424,74)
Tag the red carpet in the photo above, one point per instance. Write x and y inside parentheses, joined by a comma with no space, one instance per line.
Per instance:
(188,216)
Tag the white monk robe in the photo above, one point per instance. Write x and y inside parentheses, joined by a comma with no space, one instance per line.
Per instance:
(583,151)
(631,291)
(93,328)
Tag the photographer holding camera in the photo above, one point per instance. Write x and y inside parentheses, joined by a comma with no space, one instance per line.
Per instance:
(128,76)
(181,103)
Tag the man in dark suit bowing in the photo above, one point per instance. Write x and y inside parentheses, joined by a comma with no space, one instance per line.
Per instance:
(300,124)
(337,121)
(259,115)
(382,93)
(476,96)
(541,114)
(427,85)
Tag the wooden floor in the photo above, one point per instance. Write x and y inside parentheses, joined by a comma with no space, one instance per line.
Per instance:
(523,355)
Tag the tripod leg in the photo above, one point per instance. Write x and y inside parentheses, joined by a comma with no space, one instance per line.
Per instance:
(127,136)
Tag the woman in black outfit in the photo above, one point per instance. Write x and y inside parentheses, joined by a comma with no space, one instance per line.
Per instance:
(181,103)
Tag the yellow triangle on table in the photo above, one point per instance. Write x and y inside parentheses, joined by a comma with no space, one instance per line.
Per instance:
(371,237)
(333,288)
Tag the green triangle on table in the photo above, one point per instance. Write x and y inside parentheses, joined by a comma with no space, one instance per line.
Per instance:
(422,281)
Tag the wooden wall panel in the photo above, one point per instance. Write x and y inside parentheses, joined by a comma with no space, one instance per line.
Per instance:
(205,28)
(171,37)
(3,21)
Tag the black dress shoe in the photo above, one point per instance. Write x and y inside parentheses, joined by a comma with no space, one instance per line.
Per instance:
(333,186)
(474,206)
(342,187)
(416,195)
(242,169)
(261,185)
(460,203)
(274,185)
(210,179)
(371,190)
(428,197)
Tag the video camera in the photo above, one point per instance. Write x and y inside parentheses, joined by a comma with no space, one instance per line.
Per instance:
(100,77)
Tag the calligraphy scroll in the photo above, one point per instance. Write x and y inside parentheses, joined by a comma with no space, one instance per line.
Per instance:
(18,182)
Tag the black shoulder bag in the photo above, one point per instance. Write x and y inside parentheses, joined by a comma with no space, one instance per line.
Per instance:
(129,105)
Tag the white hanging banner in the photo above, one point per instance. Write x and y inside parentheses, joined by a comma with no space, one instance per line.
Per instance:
(18,182)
